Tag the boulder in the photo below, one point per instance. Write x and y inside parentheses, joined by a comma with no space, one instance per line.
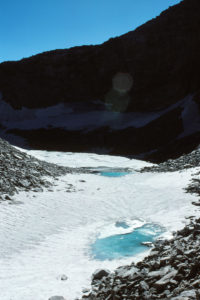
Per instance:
(63,277)
(100,273)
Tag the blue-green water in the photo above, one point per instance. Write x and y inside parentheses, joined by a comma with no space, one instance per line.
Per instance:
(111,172)
(114,174)
(124,245)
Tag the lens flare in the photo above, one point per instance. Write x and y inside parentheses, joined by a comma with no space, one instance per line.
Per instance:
(118,99)
(122,82)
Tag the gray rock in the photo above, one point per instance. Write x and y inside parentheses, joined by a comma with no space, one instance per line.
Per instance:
(186,295)
(165,280)
(159,273)
(84,291)
(63,277)
(144,285)
(99,274)
(22,172)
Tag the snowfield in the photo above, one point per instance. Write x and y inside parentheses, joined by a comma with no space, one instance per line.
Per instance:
(45,235)
(91,116)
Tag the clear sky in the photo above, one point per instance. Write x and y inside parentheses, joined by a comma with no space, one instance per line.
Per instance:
(29,27)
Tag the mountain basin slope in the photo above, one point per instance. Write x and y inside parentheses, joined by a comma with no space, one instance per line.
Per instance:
(47,234)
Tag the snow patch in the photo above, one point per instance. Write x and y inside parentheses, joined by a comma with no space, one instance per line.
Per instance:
(75,116)
(88,160)
(112,229)
(50,234)
(190,118)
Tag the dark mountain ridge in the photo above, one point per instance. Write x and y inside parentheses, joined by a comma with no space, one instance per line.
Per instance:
(148,70)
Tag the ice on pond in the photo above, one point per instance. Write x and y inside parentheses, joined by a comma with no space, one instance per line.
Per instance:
(122,224)
(53,232)
(126,244)
(113,174)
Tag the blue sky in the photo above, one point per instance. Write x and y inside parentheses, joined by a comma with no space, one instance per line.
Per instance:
(28,27)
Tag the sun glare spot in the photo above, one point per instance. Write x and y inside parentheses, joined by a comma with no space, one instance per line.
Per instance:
(122,82)
(118,99)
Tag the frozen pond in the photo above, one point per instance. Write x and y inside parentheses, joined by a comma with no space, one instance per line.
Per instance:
(126,244)
(66,231)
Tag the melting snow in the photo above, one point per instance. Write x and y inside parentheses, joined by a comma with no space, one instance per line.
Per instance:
(190,118)
(51,232)
(75,116)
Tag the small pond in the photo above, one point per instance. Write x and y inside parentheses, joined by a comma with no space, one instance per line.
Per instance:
(111,172)
(114,174)
(128,244)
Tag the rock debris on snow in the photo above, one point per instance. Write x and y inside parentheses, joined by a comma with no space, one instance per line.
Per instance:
(171,271)
(20,171)
(186,161)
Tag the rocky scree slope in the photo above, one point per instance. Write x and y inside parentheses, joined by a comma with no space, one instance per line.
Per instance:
(20,171)
(161,58)
(185,161)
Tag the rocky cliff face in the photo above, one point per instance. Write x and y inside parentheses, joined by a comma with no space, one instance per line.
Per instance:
(152,70)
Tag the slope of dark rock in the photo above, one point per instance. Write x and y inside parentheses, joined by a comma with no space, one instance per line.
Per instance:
(154,69)
(162,56)
(20,171)
(186,161)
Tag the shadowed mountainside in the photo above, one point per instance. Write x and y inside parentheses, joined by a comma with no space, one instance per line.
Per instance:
(147,70)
